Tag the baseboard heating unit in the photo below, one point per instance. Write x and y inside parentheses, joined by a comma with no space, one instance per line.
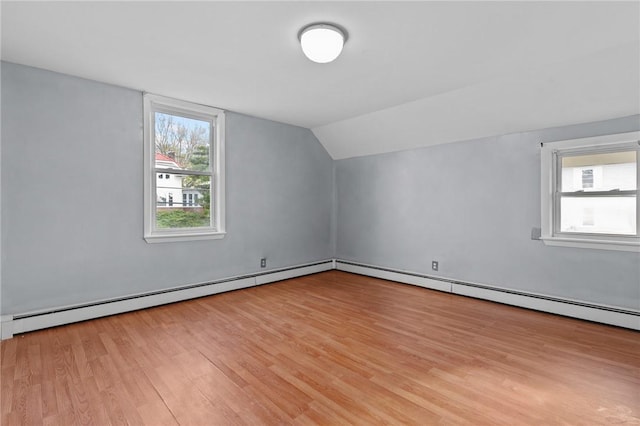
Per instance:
(16,324)
(621,317)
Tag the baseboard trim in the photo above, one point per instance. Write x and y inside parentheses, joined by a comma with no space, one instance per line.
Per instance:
(627,318)
(11,325)
(394,275)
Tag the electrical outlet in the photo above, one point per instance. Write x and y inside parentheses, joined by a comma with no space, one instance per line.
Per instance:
(434,265)
(263,262)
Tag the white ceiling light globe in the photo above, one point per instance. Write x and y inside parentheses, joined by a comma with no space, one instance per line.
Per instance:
(322,43)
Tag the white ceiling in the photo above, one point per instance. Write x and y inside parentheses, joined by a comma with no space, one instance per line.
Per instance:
(412,74)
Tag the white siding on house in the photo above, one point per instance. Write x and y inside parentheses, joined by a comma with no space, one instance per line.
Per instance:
(170,191)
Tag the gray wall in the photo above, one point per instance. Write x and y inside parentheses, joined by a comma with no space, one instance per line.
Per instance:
(71,175)
(471,205)
(72,191)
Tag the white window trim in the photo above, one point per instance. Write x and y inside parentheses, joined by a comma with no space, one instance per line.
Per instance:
(547,172)
(152,103)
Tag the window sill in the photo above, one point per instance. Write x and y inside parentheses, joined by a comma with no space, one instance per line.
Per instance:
(180,237)
(633,246)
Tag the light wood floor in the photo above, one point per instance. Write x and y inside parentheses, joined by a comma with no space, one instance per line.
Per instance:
(331,349)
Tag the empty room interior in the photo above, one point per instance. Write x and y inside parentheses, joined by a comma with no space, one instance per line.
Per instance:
(323,213)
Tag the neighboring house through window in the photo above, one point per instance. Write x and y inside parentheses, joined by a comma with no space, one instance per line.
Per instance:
(590,192)
(184,170)
(587,178)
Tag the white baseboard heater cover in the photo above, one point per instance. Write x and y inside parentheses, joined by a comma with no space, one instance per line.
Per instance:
(627,318)
(31,321)
(16,324)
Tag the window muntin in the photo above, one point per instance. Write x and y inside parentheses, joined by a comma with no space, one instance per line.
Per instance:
(184,170)
(590,192)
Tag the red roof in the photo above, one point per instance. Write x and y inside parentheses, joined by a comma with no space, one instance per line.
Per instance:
(162,157)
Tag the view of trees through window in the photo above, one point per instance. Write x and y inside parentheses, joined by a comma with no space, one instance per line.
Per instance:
(182,154)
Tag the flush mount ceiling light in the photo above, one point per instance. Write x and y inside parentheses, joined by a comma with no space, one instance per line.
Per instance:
(322,43)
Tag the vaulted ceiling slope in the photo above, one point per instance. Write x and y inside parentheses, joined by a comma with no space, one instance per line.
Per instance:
(412,73)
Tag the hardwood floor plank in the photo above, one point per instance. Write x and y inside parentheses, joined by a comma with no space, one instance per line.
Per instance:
(93,347)
(63,397)
(156,413)
(6,391)
(113,408)
(138,388)
(215,386)
(64,418)
(19,398)
(49,403)
(34,415)
(21,369)
(119,397)
(82,405)
(321,404)
(330,348)
(8,353)
(98,412)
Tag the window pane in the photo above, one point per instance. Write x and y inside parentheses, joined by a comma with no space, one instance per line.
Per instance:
(599,172)
(183,201)
(598,215)
(182,143)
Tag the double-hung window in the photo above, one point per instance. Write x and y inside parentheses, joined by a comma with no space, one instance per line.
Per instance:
(184,170)
(590,192)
